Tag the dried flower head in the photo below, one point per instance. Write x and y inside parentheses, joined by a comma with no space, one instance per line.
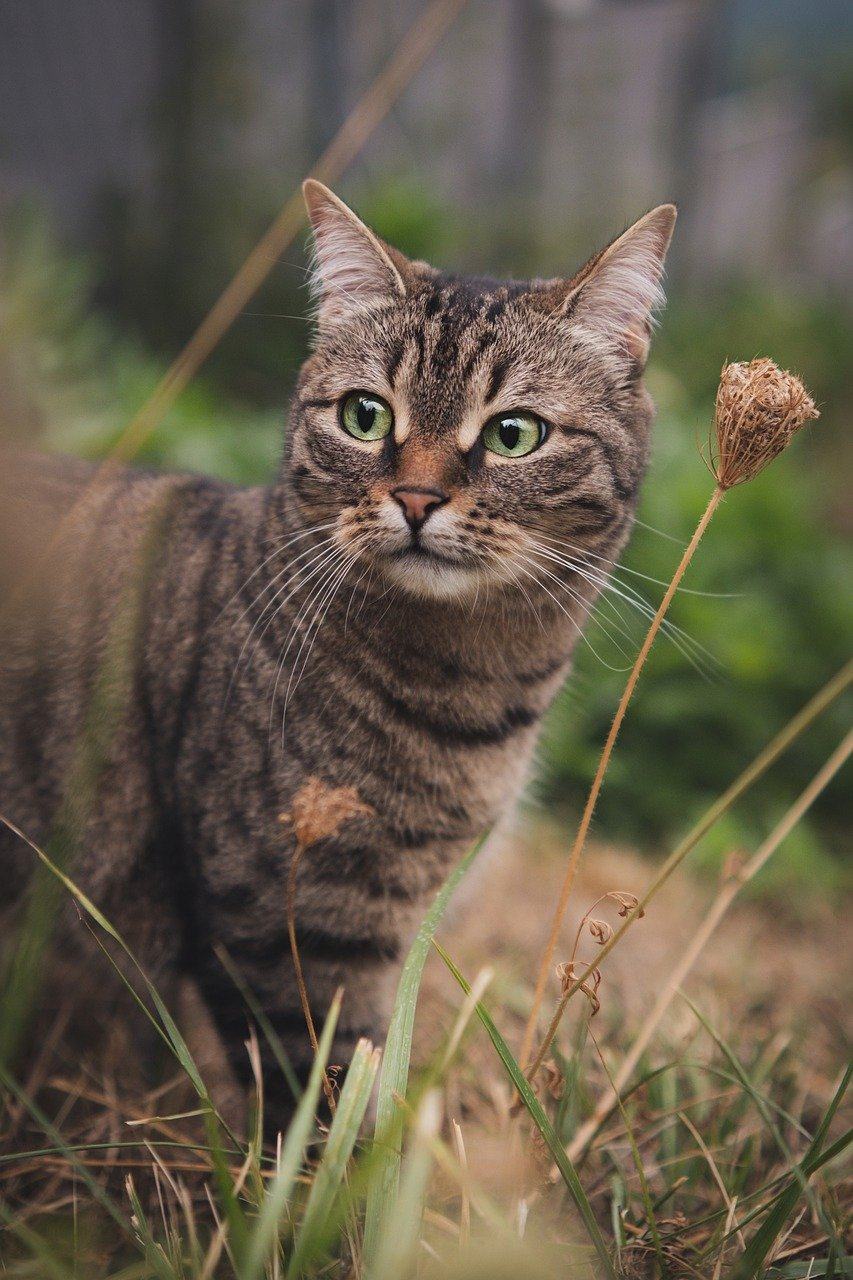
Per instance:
(318,811)
(759,408)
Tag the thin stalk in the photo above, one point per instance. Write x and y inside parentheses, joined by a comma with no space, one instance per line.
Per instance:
(297,967)
(742,783)
(586,818)
(718,909)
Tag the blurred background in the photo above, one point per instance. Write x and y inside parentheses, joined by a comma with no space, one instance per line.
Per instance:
(145,146)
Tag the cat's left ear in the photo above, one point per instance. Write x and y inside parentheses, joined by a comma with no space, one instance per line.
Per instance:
(353,268)
(618,290)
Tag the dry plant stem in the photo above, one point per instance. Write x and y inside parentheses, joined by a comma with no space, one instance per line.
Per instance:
(715,1174)
(730,1216)
(586,818)
(763,761)
(465,1206)
(718,909)
(300,977)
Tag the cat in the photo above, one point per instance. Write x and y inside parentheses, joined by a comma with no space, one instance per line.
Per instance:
(340,676)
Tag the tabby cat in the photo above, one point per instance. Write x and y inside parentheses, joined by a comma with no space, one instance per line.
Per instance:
(198,680)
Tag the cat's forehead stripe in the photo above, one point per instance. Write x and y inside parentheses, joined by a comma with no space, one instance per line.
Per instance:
(393,365)
(497,377)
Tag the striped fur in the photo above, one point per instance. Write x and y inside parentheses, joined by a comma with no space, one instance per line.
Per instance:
(260,640)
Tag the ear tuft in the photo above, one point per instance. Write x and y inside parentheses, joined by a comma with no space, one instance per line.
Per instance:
(619,290)
(353,269)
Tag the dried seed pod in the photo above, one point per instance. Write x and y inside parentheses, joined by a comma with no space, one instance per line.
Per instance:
(759,408)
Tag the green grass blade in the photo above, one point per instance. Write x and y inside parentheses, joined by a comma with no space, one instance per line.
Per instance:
(540,1119)
(314,1228)
(394,1076)
(155,1254)
(645,1192)
(52,1267)
(166,1026)
(402,1223)
(763,1110)
(782,1207)
(812,1270)
(235,1218)
(264,1238)
(272,1039)
(33,1153)
(750,1264)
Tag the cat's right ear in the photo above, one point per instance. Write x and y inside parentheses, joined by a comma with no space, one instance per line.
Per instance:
(353,269)
(618,290)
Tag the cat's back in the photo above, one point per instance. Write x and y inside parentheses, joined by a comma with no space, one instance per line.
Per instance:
(62,518)
(99,576)
(37,491)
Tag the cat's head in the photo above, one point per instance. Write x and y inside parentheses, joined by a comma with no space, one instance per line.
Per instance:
(455,432)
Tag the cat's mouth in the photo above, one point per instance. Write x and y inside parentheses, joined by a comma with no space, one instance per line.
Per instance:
(416,551)
(424,571)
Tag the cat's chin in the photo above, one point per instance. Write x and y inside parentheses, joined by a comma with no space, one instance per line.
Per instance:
(433,577)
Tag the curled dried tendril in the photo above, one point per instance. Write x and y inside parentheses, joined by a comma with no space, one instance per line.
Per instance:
(600,930)
(759,409)
(554,1080)
(567,974)
(626,902)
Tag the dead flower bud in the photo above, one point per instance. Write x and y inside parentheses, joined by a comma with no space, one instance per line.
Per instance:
(759,409)
(601,931)
(627,902)
(566,974)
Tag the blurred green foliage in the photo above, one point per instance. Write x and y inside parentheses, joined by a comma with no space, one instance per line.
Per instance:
(72,377)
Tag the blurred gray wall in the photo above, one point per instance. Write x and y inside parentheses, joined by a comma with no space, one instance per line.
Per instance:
(573,116)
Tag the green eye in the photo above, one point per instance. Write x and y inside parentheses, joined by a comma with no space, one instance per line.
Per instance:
(366,417)
(513,435)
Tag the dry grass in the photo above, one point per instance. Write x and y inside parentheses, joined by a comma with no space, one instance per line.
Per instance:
(685,1162)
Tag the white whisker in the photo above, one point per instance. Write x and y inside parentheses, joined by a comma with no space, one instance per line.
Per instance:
(324,542)
(278,549)
(324,595)
(566,613)
(315,627)
(304,575)
(659,582)
(328,571)
(588,607)
(691,649)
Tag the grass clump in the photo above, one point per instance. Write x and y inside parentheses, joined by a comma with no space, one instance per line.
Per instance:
(720,1150)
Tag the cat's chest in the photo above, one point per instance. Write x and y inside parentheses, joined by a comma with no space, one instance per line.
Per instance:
(438,748)
(419,744)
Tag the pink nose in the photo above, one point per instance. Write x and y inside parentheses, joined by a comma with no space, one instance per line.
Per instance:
(418,504)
